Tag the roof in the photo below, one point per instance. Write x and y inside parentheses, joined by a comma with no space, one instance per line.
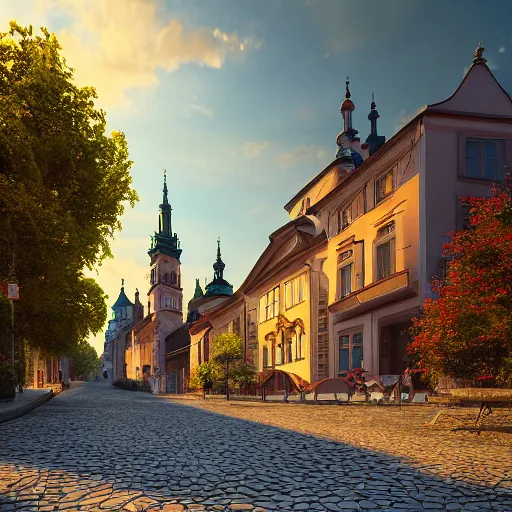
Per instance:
(122,301)
(496,104)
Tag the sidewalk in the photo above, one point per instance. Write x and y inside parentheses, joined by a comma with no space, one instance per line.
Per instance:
(21,404)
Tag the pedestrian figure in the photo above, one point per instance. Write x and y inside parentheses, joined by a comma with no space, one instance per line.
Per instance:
(105,374)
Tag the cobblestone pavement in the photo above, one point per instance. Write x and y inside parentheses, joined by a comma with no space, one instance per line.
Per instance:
(98,448)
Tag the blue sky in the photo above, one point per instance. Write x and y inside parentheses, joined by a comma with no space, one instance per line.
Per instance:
(239,101)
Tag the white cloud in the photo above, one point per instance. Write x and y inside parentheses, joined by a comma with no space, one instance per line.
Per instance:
(301,155)
(206,111)
(121,44)
(501,49)
(254,149)
(306,113)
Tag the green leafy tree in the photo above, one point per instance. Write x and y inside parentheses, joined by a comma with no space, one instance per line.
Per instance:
(86,363)
(242,374)
(64,184)
(205,375)
(227,349)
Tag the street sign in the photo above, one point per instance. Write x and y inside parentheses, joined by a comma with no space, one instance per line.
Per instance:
(13,291)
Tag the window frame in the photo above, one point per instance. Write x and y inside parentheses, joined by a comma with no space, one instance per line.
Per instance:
(385,235)
(481,141)
(295,285)
(345,259)
(274,305)
(350,347)
(351,211)
(382,178)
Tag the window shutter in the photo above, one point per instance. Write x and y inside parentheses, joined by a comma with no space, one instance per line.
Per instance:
(359,264)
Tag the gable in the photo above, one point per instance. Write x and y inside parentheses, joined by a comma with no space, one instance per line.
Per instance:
(478,93)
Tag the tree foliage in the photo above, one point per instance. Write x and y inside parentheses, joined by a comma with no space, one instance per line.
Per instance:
(86,363)
(466,332)
(205,375)
(227,348)
(242,374)
(64,184)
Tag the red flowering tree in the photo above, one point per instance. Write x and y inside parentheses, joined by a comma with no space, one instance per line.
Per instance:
(466,332)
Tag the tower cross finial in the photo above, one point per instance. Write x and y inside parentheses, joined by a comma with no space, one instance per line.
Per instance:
(122,282)
(479,54)
(347,91)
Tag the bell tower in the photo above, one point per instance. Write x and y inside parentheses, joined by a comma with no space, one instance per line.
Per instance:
(165,295)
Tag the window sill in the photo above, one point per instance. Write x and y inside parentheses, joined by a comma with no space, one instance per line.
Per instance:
(384,199)
(267,320)
(480,180)
(291,307)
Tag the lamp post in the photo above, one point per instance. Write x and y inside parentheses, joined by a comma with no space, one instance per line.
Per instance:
(13,293)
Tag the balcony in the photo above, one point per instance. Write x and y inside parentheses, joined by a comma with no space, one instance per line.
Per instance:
(393,288)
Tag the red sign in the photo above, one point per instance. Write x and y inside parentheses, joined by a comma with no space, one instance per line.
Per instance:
(13,291)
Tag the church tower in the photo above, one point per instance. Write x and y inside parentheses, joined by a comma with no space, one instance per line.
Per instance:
(165,293)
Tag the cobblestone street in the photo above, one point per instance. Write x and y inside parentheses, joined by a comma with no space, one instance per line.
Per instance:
(99,448)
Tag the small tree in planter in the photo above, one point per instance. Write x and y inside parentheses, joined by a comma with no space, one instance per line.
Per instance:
(7,384)
(205,375)
(227,349)
(242,374)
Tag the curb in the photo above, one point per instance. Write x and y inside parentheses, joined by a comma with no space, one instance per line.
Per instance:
(21,411)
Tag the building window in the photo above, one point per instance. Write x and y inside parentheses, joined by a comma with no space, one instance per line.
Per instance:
(484,159)
(349,214)
(464,216)
(383,186)
(269,305)
(289,351)
(295,291)
(385,257)
(279,353)
(346,280)
(265,357)
(299,345)
(153,275)
(345,267)
(350,351)
(199,350)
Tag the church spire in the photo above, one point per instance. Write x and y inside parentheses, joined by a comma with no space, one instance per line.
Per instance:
(219,265)
(165,241)
(374,140)
(219,286)
(165,200)
(165,226)
(346,109)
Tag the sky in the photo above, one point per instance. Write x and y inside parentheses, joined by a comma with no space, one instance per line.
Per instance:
(239,101)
